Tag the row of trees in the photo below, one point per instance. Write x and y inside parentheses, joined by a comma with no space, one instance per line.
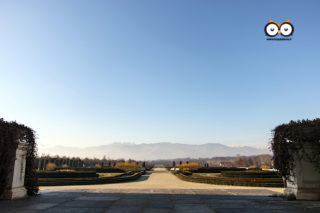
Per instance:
(47,162)
(264,161)
(254,161)
(43,162)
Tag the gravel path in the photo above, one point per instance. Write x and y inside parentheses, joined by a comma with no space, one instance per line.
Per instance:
(160,180)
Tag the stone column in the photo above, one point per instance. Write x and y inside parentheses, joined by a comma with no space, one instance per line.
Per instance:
(305,181)
(16,188)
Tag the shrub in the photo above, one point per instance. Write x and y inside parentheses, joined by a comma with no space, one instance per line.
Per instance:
(189,166)
(11,133)
(291,141)
(64,166)
(291,197)
(265,167)
(128,166)
(51,166)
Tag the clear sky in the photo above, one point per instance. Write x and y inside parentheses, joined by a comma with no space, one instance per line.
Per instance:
(84,73)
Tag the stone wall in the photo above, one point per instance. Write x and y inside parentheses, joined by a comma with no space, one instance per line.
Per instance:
(304,181)
(15,188)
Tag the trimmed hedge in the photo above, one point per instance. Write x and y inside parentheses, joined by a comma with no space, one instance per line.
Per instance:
(217,169)
(110,170)
(81,169)
(58,174)
(250,174)
(98,170)
(258,182)
(88,181)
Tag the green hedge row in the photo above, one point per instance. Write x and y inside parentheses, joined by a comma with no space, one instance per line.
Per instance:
(218,169)
(74,174)
(259,182)
(240,179)
(250,174)
(99,170)
(235,177)
(88,181)
(109,170)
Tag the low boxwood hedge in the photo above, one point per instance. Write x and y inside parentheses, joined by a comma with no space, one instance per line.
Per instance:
(98,170)
(110,170)
(88,181)
(217,169)
(73,174)
(261,182)
(250,174)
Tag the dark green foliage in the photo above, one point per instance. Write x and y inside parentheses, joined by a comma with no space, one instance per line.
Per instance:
(148,168)
(58,174)
(82,169)
(292,141)
(291,197)
(259,182)
(217,169)
(98,170)
(89,181)
(110,170)
(11,133)
(250,174)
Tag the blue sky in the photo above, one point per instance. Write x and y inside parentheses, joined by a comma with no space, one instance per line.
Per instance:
(85,73)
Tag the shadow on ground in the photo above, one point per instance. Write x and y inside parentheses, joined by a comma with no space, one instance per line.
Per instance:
(111,202)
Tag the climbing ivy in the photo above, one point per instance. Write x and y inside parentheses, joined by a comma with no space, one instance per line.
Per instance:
(11,134)
(296,140)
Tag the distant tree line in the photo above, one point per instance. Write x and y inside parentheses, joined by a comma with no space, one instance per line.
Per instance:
(264,160)
(47,162)
(56,161)
(253,161)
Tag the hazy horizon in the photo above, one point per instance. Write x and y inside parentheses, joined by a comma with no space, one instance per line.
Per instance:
(153,151)
(137,143)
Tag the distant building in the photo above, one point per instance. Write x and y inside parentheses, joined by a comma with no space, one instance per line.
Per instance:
(226,164)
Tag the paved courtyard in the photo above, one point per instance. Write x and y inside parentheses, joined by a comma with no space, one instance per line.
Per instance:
(157,191)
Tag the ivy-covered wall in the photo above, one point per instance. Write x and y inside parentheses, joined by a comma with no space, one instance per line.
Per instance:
(11,134)
(296,140)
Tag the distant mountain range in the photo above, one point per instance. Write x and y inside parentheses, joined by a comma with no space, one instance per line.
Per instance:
(154,151)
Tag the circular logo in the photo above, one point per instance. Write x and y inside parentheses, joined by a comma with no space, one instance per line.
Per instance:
(271,29)
(285,29)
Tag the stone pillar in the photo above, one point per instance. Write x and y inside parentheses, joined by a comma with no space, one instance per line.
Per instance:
(305,181)
(16,188)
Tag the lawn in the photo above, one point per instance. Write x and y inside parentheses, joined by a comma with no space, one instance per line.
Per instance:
(209,174)
(102,175)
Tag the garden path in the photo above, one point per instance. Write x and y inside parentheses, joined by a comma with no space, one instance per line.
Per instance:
(159,179)
(157,191)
